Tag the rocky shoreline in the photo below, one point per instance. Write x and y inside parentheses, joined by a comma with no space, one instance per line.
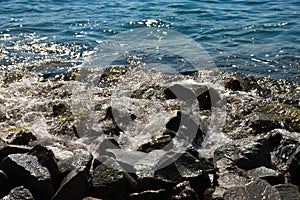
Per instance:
(50,146)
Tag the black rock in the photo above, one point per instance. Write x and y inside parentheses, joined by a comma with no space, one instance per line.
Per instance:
(158,143)
(21,138)
(255,190)
(151,195)
(22,169)
(19,193)
(67,165)
(288,191)
(233,84)
(108,178)
(271,176)
(180,92)
(247,153)
(153,183)
(6,150)
(59,109)
(4,184)
(74,186)
(107,143)
(263,126)
(47,159)
(183,191)
(294,167)
(186,167)
(208,99)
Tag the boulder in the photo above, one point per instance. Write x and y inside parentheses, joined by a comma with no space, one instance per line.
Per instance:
(4,184)
(19,193)
(74,186)
(288,191)
(271,176)
(151,195)
(67,165)
(108,178)
(247,153)
(25,170)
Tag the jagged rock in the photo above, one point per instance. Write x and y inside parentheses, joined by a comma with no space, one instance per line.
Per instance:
(186,129)
(183,191)
(208,99)
(4,184)
(6,150)
(25,170)
(180,92)
(47,159)
(67,165)
(150,195)
(21,138)
(271,176)
(228,175)
(186,167)
(294,167)
(74,186)
(288,191)
(158,143)
(19,193)
(254,190)
(108,178)
(247,153)
(233,84)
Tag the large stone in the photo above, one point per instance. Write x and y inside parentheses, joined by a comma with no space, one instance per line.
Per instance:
(74,186)
(4,184)
(271,176)
(108,178)
(288,191)
(25,170)
(67,165)
(247,153)
(186,167)
(19,193)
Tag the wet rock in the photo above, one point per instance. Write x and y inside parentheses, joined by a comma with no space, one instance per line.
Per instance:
(158,143)
(288,191)
(267,174)
(233,84)
(59,109)
(264,125)
(67,165)
(21,138)
(107,144)
(184,191)
(208,99)
(294,167)
(6,150)
(4,184)
(255,190)
(19,193)
(74,186)
(150,195)
(228,175)
(47,159)
(25,170)
(186,167)
(153,183)
(180,92)
(186,129)
(247,153)
(108,178)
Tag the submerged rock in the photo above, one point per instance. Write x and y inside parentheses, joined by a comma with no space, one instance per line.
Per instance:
(19,193)
(25,170)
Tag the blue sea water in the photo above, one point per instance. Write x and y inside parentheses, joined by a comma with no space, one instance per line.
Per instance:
(260,37)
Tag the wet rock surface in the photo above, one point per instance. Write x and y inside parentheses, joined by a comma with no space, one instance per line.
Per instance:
(19,193)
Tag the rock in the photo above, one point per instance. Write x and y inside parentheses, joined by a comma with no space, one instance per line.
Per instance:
(288,191)
(180,92)
(67,165)
(108,178)
(153,183)
(74,186)
(186,129)
(47,159)
(267,174)
(247,153)
(4,184)
(186,167)
(151,195)
(19,193)
(294,167)
(233,84)
(25,170)
(6,150)
(90,198)
(158,143)
(208,99)
(107,144)
(255,190)
(264,125)
(21,138)
(228,175)
(183,191)
(59,109)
